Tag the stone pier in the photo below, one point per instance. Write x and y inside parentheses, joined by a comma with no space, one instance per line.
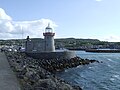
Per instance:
(8,80)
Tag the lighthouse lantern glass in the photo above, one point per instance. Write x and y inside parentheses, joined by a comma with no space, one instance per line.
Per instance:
(48,30)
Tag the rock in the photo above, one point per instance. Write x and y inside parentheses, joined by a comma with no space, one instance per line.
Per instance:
(47,84)
(35,74)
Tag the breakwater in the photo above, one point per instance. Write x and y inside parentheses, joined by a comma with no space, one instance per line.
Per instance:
(37,74)
(54,65)
(103,51)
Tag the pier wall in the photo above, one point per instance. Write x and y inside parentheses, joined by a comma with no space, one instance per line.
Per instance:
(52,55)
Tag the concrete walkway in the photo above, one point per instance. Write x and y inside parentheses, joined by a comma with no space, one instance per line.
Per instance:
(8,80)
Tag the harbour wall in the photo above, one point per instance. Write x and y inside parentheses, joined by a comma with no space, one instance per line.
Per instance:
(52,55)
(103,51)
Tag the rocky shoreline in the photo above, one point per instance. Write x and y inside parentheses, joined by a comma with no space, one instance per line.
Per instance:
(36,74)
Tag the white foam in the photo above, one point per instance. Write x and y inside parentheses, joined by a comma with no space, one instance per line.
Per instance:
(66,71)
(110,66)
(110,59)
(116,76)
(112,79)
(90,67)
(78,66)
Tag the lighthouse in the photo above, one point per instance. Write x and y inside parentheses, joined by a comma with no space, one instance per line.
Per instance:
(45,48)
(49,39)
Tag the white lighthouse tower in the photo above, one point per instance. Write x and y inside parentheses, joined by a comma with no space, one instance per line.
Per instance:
(49,39)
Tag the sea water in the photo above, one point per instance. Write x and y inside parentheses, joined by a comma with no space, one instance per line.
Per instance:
(95,76)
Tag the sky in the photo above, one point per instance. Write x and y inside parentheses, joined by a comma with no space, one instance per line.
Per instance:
(87,19)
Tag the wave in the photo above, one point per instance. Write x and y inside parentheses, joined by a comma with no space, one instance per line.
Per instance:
(112,79)
(110,66)
(109,59)
(116,76)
